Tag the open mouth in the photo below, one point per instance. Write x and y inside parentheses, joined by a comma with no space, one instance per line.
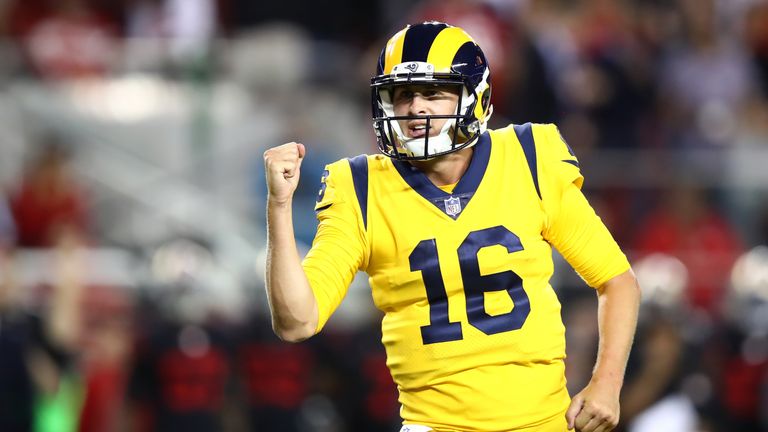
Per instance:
(417,130)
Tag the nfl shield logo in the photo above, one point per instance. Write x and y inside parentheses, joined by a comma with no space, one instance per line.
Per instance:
(452,206)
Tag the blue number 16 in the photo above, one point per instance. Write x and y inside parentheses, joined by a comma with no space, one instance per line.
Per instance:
(440,329)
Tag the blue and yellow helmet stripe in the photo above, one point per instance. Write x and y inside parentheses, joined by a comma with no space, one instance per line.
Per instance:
(435,43)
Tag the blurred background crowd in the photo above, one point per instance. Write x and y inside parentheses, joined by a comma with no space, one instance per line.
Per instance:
(132,201)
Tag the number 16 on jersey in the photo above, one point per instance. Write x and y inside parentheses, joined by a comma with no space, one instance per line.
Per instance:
(424,258)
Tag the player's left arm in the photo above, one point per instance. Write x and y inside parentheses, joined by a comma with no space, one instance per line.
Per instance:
(580,236)
(596,407)
(584,241)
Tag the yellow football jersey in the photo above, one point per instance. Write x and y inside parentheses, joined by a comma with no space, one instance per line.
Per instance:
(471,326)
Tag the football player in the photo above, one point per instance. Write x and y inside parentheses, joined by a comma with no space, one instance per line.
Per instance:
(454,224)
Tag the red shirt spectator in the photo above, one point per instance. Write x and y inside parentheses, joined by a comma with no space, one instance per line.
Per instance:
(48,201)
(64,39)
(687,227)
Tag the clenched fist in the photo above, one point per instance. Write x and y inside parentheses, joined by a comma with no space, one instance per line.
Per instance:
(594,409)
(282,165)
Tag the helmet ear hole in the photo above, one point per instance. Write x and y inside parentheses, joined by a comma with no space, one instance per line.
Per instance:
(485,99)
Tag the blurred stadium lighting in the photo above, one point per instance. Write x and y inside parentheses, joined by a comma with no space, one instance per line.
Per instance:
(747,304)
(663,279)
(190,283)
(180,261)
(128,99)
(749,277)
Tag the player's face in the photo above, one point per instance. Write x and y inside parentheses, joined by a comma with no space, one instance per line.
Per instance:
(421,100)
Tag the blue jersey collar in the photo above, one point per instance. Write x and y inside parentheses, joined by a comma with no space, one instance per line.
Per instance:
(452,204)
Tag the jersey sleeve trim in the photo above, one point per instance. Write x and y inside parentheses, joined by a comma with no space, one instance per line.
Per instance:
(359,167)
(525,136)
(554,140)
(572,162)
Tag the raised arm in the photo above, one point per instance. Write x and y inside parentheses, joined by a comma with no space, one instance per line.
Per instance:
(291,301)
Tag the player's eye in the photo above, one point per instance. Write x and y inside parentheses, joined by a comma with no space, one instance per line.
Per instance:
(403,95)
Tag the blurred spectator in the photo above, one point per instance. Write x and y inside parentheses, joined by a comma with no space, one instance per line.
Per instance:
(685,225)
(663,357)
(741,360)
(276,379)
(530,93)
(745,173)
(184,28)
(705,77)
(64,39)
(653,395)
(347,22)
(613,84)
(105,350)
(181,372)
(48,200)
(369,402)
(756,38)
(180,378)
(743,382)
(39,385)
(7,227)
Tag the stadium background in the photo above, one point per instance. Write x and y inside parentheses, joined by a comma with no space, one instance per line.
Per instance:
(132,201)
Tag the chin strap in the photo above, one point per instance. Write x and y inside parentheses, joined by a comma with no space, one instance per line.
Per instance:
(487,117)
(438,144)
